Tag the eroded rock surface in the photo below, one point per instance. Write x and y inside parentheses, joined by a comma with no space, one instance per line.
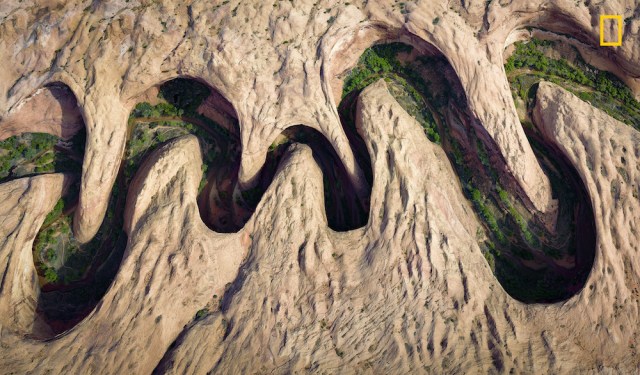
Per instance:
(274,73)
(52,110)
(25,204)
(410,292)
(170,249)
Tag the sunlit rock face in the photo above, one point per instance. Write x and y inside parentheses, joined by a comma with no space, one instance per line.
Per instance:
(258,266)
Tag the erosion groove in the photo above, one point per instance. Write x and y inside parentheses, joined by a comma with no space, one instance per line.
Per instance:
(345,209)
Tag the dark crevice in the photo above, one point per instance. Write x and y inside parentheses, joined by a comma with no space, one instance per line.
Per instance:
(345,211)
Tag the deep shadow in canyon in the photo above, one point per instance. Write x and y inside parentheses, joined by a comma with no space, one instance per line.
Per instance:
(345,210)
(74,277)
(532,263)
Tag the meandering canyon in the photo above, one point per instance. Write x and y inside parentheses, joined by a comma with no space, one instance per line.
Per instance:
(319,187)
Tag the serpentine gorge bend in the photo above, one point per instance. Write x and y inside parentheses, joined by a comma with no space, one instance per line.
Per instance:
(379,200)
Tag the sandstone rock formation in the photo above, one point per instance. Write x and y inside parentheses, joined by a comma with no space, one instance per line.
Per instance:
(109,53)
(410,292)
(25,203)
(414,285)
(51,109)
(136,315)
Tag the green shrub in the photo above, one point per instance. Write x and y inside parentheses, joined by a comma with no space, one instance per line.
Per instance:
(51,255)
(55,213)
(201,313)
(50,275)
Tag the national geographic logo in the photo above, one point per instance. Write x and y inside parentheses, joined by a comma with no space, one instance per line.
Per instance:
(605,25)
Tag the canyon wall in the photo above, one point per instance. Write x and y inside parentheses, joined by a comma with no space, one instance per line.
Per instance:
(409,292)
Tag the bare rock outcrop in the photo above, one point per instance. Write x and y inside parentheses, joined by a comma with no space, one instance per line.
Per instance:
(601,321)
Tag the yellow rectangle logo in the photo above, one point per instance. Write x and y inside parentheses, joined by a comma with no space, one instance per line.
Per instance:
(618,18)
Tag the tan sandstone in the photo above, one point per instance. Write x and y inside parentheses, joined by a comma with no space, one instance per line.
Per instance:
(410,292)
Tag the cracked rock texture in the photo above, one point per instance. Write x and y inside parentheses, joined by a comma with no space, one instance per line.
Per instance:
(410,292)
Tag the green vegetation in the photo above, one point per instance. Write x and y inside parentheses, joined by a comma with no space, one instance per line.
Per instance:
(54,247)
(382,61)
(35,153)
(201,313)
(55,213)
(479,203)
(493,205)
(529,64)
(163,109)
(517,217)
(426,88)
(50,275)
(373,64)
(30,154)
